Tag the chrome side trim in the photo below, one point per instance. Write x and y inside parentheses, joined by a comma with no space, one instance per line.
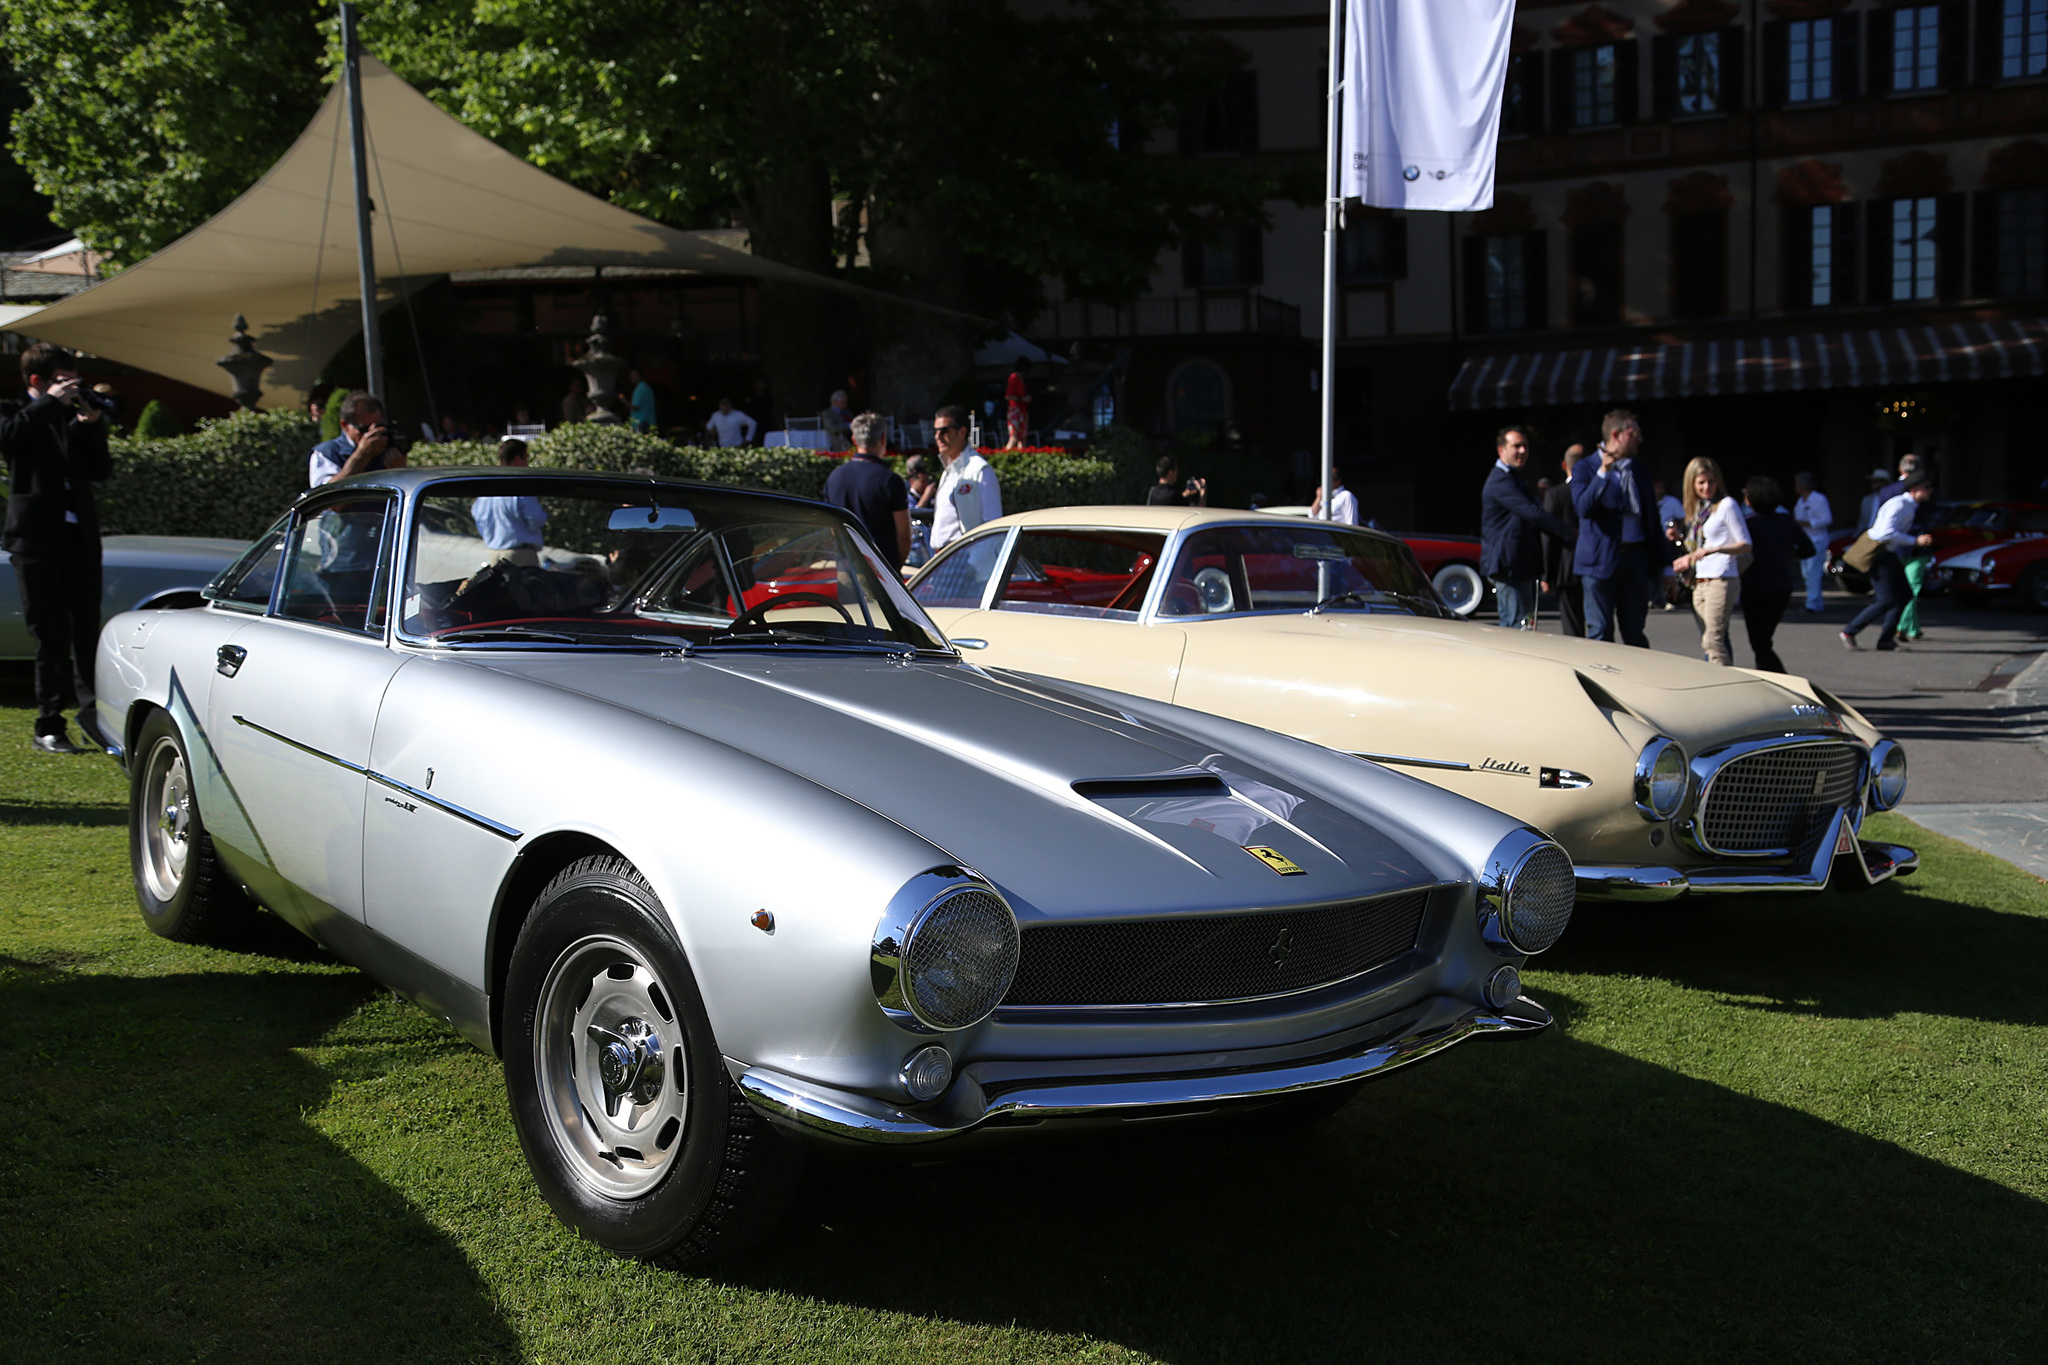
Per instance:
(963,642)
(1406,762)
(503,831)
(850,1117)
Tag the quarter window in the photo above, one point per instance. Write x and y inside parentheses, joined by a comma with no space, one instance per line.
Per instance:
(1913,249)
(1916,48)
(2023,39)
(959,578)
(1811,57)
(247,582)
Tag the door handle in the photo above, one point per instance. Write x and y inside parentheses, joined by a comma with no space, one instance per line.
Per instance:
(962,642)
(227,660)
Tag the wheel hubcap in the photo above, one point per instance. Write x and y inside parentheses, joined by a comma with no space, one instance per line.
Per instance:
(167,839)
(611,1072)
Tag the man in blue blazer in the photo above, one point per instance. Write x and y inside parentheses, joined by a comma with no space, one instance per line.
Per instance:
(1511,524)
(1622,550)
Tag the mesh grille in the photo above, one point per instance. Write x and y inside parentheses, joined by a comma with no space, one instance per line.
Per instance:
(959,959)
(1778,799)
(1540,902)
(1209,958)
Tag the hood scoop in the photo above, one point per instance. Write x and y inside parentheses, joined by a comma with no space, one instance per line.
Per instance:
(1152,786)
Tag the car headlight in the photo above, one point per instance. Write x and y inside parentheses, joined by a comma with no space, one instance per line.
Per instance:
(1526,893)
(945,952)
(1661,779)
(1989,565)
(1888,769)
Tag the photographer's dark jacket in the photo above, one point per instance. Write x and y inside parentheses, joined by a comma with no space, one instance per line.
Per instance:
(52,460)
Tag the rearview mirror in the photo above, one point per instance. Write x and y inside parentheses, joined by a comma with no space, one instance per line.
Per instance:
(653,519)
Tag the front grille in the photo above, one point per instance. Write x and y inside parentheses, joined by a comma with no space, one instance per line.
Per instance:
(1779,800)
(1202,959)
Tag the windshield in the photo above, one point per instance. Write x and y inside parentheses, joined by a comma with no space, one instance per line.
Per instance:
(544,562)
(1225,569)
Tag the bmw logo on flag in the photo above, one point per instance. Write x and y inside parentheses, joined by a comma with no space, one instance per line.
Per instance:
(1411,172)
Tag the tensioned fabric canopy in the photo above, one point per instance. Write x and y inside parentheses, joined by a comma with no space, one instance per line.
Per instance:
(1917,354)
(284,253)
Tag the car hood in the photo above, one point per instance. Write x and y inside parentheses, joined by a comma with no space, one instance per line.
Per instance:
(986,769)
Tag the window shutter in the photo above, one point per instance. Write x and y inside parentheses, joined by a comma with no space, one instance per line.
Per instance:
(1796,232)
(1663,75)
(1627,80)
(1848,70)
(1251,255)
(1984,244)
(1847,239)
(1950,227)
(1735,93)
(1561,89)
(1954,56)
(1191,265)
(1536,276)
(1534,90)
(1475,284)
(1989,54)
(1241,111)
(1397,248)
(1777,59)
(1877,51)
(1877,253)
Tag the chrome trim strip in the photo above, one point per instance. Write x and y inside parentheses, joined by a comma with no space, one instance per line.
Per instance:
(850,1117)
(503,831)
(1450,764)
(963,642)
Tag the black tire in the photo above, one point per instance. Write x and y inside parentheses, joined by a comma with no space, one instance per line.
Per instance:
(712,1185)
(184,892)
(2033,588)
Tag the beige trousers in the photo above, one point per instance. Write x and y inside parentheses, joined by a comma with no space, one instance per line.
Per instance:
(1713,603)
(519,554)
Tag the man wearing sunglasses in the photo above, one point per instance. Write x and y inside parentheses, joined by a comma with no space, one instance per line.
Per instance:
(968,492)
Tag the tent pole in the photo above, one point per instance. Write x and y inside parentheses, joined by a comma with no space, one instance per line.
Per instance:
(366,250)
(1333,208)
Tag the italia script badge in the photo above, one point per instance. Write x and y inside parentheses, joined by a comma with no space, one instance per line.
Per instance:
(1275,859)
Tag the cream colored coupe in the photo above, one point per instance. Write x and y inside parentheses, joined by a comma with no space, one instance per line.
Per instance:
(1659,774)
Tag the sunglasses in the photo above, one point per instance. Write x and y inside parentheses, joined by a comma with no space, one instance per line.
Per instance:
(941,431)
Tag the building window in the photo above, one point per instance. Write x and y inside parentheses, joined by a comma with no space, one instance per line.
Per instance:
(1914,249)
(2022,243)
(1916,48)
(1593,72)
(1507,283)
(1373,250)
(1699,73)
(1224,121)
(1811,52)
(1198,396)
(1596,274)
(2023,39)
(1820,237)
(1231,259)
(1699,264)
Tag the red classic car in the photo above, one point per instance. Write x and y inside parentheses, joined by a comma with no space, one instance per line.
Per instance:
(1958,526)
(2008,568)
(1452,563)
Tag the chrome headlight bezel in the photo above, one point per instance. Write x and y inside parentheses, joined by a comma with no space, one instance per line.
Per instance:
(1499,882)
(1887,789)
(1646,779)
(912,911)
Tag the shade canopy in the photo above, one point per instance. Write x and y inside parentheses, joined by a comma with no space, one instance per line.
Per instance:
(284,254)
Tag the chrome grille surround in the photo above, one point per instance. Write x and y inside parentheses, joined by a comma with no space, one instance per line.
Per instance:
(1193,960)
(1773,797)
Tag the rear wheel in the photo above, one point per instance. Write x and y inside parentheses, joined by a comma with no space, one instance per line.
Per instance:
(2033,588)
(1461,587)
(618,1090)
(184,892)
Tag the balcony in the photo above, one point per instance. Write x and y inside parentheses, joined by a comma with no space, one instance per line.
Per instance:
(1207,313)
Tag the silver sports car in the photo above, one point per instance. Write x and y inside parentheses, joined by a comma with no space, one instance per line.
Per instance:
(673,797)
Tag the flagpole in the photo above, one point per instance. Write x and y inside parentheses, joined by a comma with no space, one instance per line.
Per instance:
(1333,210)
(366,251)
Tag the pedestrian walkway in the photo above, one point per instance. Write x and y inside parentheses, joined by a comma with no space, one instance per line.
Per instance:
(2016,831)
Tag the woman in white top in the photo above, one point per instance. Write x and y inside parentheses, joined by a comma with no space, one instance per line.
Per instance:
(1715,535)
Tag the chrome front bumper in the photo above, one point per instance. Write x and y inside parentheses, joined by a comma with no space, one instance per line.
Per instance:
(1879,862)
(1008,1094)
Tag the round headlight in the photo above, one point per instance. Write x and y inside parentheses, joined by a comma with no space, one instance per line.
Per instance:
(959,957)
(1888,763)
(1537,901)
(1661,779)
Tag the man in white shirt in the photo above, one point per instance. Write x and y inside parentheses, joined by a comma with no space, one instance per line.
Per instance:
(1893,532)
(730,427)
(1343,502)
(1815,517)
(968,492)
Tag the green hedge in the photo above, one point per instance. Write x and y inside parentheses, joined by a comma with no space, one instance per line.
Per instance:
(234,476)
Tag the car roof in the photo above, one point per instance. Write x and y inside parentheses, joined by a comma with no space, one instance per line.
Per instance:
(1128,517)
(413,478)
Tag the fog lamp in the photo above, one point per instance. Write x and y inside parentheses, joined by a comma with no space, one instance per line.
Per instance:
(1504,987)
(927,1073)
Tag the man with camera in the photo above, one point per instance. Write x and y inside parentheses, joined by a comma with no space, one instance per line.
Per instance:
(365,443)
(55,444)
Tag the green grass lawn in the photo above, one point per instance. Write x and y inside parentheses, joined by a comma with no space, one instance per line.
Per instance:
(1811,1130)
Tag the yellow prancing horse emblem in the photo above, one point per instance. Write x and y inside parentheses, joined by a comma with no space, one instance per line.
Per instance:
(1275,859)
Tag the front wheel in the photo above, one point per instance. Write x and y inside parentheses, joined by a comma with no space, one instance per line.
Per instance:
(619,1093)
(2033,588)
(1461,587)
(184,892)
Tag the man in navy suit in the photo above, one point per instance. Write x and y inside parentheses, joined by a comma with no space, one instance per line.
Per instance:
(1510,521)
(1622,551)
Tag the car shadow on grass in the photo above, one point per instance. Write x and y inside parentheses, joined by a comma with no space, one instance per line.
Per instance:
(162,1197)
(1551,1200)
(61,813)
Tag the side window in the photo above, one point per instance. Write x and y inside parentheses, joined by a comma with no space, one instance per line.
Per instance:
(247,582)
(1100,574)
(335,565)
(960,576)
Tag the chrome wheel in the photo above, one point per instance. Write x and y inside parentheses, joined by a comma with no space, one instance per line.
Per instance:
(1461,588)
(167,820)
(610,1066)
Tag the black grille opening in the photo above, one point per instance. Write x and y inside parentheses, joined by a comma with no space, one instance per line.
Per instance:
(1205,959)
(1779,800)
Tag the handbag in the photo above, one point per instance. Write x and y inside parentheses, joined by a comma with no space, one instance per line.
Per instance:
(1863,553)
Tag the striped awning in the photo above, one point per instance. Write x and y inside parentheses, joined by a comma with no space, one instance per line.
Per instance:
(1914,354)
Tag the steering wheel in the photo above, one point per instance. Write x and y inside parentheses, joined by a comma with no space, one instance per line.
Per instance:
(758,613)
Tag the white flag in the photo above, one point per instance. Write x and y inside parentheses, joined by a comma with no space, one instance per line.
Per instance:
(1423,84)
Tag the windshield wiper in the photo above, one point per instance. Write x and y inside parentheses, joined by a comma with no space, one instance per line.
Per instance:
(749,639)
(489,632)
(1363,599)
